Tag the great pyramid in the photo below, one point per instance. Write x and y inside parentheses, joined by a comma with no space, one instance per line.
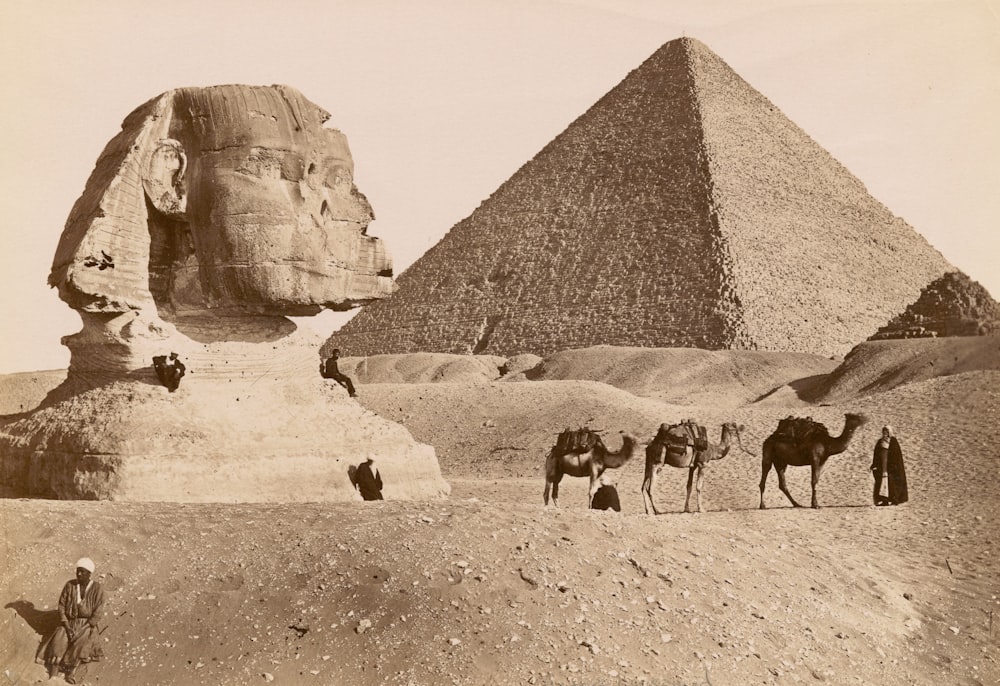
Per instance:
(683,209)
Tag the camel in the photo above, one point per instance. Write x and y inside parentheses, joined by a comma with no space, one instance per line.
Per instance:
(591,463)
(658,454)
(817,448)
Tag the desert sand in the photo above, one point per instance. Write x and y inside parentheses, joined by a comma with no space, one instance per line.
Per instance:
(489,587)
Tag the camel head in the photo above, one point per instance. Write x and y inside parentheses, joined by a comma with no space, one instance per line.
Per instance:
(852,421)
(732,428)
(631,445)
(630,448)
(729,429)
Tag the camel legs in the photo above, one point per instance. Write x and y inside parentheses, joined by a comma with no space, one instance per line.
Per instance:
(595,483)
(691,480)
(648,484)
(765,469)
(784,487)
(766,462)
(816,470)
(552,483)
(552,478)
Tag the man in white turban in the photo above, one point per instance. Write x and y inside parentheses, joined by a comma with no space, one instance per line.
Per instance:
(887,464)
(74,642)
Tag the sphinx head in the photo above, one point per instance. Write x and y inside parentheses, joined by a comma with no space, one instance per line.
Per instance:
(227,200)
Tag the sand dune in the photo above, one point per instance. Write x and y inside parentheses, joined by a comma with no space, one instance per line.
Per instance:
(877,366)
(490,587)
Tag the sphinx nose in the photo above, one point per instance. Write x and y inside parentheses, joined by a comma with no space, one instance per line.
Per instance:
(364,206)
(356,210)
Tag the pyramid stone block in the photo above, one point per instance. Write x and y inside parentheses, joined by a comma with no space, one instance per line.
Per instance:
(683,209)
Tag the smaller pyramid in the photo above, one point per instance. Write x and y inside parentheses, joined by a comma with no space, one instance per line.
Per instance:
(951,305)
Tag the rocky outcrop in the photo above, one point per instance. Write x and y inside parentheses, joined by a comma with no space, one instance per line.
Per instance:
(214,215)
(683,209)
(952,305)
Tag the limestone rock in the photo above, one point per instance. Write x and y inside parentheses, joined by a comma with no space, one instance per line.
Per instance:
(214,214)
(683,209)
(231,199)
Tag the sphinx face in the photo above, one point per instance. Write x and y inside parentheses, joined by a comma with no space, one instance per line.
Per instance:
(275,222)
(227,200)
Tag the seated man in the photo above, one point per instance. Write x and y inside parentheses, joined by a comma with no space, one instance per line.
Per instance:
(75,641)
(169,370)
(329,370)
(606,497)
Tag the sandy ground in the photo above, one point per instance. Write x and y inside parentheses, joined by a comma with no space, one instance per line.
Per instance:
(488,586)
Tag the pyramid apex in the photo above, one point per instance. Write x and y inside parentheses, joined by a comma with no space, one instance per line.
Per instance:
(688,42)
(682,209)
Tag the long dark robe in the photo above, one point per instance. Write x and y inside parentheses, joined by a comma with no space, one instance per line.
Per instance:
(369,483)
(606,498)
(64,648)
(889,461)
(898,493)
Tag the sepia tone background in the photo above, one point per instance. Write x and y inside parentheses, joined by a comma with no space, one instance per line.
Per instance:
(442,101)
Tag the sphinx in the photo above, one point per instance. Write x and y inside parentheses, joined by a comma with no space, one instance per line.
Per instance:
(214,217)
(212,205)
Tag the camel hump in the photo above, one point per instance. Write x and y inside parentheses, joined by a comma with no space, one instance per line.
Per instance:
(800,429)
(687,433)
(580,440)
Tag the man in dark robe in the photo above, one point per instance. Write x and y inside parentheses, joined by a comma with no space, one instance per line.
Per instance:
(169,370)
(368,480)
(329,370)
(606,497)
(887,463)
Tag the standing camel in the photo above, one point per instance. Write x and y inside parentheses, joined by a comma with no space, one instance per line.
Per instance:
(591,463)
(659,453)
(782,451)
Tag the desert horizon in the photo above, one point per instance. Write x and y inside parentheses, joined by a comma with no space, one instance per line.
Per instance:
(442,253)
(489,586)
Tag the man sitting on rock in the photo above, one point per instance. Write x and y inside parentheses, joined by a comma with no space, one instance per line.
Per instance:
(329,370)
(169,370)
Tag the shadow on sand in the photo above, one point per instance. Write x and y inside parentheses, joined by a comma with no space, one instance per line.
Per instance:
(769,508)
(42,622)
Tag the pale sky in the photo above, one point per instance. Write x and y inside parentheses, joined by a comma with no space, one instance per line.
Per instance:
(443,100)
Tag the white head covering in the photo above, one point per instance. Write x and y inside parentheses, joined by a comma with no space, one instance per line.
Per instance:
(889,429)
(86,563)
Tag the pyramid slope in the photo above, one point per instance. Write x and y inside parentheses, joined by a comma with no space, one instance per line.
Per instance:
(681,210)
(812,251)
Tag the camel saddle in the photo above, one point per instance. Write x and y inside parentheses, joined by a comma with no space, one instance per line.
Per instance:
(679,437)
(577,441)
(799,429)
